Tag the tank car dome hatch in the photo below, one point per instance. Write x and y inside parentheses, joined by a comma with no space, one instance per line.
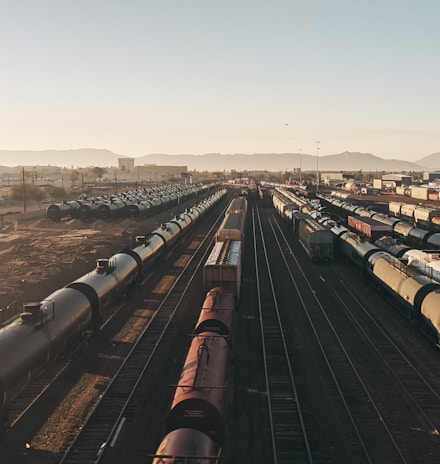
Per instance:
(31,311)
(103,265)
(141,240)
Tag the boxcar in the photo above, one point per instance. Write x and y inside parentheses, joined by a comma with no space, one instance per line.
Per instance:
(223,267)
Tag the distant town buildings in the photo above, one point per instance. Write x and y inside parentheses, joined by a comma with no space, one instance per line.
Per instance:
(151,173)
(431,177)
(126,164)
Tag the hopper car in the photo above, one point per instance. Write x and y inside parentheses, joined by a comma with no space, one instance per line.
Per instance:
(49,328)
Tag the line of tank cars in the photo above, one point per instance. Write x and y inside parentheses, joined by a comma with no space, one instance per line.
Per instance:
(302,216)
(415,289)
(132,204)
(50,327)
(415,225)
(195,426)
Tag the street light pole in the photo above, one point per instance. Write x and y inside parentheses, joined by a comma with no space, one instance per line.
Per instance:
(317,166)
(300,167)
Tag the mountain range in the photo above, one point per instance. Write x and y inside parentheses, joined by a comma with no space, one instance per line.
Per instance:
(346,161)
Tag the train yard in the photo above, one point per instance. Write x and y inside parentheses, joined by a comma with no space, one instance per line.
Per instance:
(321,368)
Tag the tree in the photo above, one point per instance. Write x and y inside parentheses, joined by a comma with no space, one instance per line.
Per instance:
(32,193)
(73,178)
(98,172)
(55,193)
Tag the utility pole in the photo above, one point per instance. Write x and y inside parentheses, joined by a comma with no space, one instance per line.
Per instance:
(24,192)
(317,166)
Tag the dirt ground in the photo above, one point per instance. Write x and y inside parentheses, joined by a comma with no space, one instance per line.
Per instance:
(39,256)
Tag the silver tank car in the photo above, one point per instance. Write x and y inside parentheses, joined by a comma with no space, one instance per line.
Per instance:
(170,232)
(433,241)
(357,250)
(184,222)
(149,249)
(141,208)
(44,330)
(393,247)
(402,229)
(62,210)
(109,281)
(111,209)
(430,311)
(156,203)
(406,283)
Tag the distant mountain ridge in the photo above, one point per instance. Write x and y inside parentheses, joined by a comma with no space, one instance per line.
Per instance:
(346,161)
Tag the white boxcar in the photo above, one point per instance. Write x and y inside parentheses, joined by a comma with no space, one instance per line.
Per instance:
(223,267)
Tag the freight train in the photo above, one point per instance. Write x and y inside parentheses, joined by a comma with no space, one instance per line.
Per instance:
(223,266)
(302,217)
(196,422)
(427,262)
(50,327)
(420,215)
(413,290)
(411,233)
(133,204)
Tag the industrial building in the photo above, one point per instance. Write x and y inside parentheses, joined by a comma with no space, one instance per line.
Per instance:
(429,177)
(151,173)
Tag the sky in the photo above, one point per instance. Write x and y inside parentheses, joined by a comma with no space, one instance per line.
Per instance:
(221,76)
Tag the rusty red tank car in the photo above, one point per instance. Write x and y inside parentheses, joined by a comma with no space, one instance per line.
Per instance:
(217,312)
(199,400)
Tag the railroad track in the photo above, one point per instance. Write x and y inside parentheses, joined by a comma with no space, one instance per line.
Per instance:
(286,423)
(376,432)
(420,395)
(105,421)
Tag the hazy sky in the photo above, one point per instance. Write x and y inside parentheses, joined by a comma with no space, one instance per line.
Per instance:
(226,76)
